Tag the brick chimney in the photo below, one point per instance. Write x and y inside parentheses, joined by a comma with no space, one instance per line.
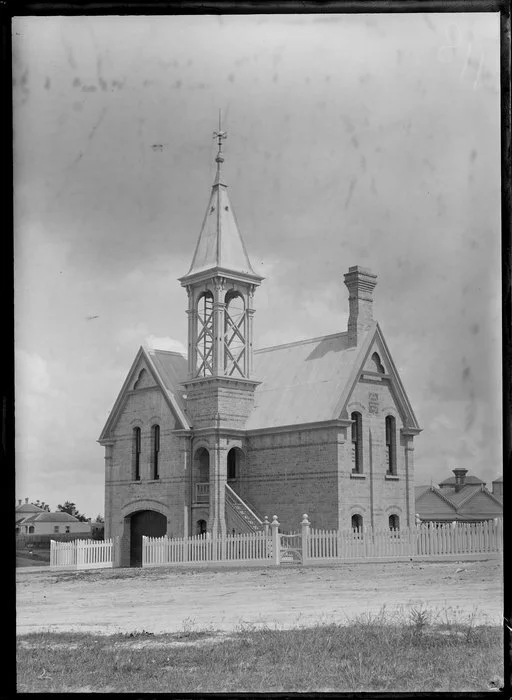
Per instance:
(460,478)
(26,500)
(360,283)
(19,501)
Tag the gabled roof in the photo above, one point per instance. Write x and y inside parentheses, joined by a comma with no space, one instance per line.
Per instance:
(312,380)
(308,381)
(45,517)
(168,369)
(454,501)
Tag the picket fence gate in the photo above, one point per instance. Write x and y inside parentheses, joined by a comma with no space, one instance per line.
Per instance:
(82,554)
(310,546)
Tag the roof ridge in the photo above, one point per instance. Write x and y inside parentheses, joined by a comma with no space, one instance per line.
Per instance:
(167,352)
(301,342)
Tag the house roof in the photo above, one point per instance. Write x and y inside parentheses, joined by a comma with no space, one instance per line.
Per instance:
(498,479)
(28,508)
(458,497)
(308,381)
(45,517)
(300,382)
(467,481)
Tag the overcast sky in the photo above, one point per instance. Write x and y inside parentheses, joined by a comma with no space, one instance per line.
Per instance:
(352,140)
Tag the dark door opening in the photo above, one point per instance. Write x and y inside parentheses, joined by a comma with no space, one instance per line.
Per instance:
(145,522)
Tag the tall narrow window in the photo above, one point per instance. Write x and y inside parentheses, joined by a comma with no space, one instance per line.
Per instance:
(232,464)
(391,445)
(357,443)
(156,451)
(136,454)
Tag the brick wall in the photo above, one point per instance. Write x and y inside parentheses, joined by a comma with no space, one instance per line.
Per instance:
(288,474)
(169,494)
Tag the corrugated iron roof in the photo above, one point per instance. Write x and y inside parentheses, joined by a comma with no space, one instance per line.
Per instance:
(28,508)
(300,382)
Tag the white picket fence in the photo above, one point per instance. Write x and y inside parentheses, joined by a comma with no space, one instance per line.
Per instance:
(82,554)
(310,546)
(421,541)
(158,551)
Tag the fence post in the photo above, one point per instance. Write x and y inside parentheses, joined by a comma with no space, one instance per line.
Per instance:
(276,541)
(266,527)
(52,553)
(305,538)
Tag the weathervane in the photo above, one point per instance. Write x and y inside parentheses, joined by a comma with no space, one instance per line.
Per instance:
(219,135)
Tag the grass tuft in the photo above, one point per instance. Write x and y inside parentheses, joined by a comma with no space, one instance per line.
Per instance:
(422,650)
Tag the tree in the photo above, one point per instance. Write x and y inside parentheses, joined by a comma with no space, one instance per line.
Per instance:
(99,518)
(71,508)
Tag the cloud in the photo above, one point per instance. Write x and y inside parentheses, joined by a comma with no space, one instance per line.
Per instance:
(165,343)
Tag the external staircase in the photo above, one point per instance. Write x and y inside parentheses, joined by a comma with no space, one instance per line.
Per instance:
(245,515)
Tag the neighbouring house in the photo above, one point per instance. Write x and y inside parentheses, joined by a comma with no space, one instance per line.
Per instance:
(462,498)
(215,441)
(23,510)
(97,530)
(58,523)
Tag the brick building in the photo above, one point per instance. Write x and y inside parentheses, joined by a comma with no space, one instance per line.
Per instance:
(218,440)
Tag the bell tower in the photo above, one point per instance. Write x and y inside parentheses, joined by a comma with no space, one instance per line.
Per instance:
(220,386)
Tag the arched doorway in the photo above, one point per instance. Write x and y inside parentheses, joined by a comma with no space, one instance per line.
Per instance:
(145,522)
(201,527)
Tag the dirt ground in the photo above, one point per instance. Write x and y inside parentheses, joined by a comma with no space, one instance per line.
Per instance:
(171,600)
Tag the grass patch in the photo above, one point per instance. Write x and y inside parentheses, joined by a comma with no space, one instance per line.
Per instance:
(419,652)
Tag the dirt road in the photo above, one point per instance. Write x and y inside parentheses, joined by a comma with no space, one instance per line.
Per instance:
(170,600)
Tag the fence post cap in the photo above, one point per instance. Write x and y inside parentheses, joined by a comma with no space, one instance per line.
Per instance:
(265,519)
(305,520)
(274,520)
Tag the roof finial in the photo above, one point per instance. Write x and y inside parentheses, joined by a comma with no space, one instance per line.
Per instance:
(219,135)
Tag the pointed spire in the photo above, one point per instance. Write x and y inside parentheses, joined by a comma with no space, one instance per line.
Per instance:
(220,244)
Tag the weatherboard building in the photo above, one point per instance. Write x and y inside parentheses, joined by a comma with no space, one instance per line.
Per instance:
(215,441)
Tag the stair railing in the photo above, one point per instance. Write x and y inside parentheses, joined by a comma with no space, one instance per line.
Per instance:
(232,496)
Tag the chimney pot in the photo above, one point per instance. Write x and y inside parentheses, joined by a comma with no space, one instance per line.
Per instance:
(26,500)
(460,478)
(19,501)
(360,282)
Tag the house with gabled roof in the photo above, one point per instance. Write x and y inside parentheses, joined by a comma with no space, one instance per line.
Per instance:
(217,440)
(48,523)
(460,498)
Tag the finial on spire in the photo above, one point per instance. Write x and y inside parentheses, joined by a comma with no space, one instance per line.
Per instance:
(219,135)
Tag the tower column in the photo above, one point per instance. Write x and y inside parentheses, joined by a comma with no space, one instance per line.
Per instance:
(218,327)
(218,480)
(192,332)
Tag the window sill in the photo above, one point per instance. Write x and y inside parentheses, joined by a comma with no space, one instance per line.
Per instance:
(392,477)
(151,481)
(357,475)
(136,481)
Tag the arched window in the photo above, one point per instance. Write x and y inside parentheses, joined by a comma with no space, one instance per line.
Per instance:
(357,442)
(357,522)
(391,444)
(394,522)
(31,529)
(204,342)
(136,454)
(201,527)
(204,465)
(232,464)
(155,440)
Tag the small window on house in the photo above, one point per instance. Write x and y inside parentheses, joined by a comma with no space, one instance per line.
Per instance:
(17,531)
(156,451)
(31,529)
(394,522)
(391,445)
(357,522)
(68,529)
(357,443)
(136,454)
(55,528)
